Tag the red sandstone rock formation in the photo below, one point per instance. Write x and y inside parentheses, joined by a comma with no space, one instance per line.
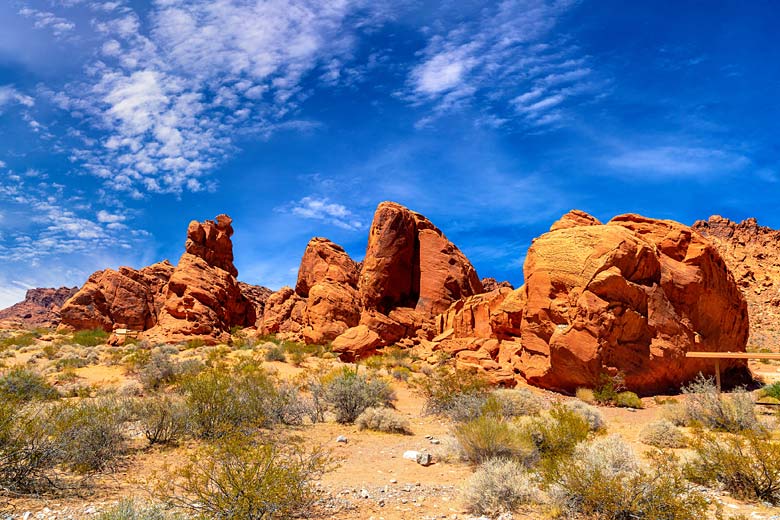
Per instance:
(631,296)
(128,297)
(203,299)
(40,308)
(752,253)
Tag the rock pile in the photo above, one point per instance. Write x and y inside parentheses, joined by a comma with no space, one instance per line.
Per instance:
(40,308)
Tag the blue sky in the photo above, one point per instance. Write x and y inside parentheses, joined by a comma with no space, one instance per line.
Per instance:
(121,121)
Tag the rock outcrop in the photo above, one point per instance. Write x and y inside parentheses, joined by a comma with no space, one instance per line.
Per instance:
(203,299)
(410,273)
(629,297)
(752,253)
(40,308)
(199,298)
(127,298)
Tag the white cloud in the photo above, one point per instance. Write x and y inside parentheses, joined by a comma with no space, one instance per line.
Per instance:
(324,210)
(46,20)
(504,58)
(105,217)
(677,161)
(9,95)
(175,90)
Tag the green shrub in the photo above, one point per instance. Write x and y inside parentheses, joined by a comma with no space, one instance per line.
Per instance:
(90,338)
(383,420)
(446,390)
(608,388)
(489,437)
(628,400)
(71,362)
(705,406)
(130,510)
(218,401)
(28,453)
(772,390)
(25,385)
(557,434)
(20,340)
(662,434)
(349,393)
(239,479)
(747,465)
(604,480)
(275,354)
(90,433)
(163,419)
(499,486)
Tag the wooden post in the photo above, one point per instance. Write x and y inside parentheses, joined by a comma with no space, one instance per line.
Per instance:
(717,374)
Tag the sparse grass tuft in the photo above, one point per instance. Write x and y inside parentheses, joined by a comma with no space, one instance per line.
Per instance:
(383,420)
(90,338)
(500,486)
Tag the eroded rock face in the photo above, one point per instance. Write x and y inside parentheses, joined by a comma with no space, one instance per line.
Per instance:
(575,218)
(632,296)
(203,299)
(40,308)
(410,263)
(752,253)
(128,297)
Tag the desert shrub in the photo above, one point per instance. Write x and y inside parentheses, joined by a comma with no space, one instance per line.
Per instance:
(286,405)
(25,385)
(349,393)
(518,402)
(591,414)
(556,434)
(160,369)
(132,510)
(772,390)
(90,433)
(662,434)
(28,453)
(24,339)
(219,401)
(705,406)
(298,352)
(585,395)
(90,338)
(747,465)
(239,479)
(275,353)
(163,419)
(446,390)
(71,362)
(628,400)
(608,388)
(401,373)
(499,486)
(383,420)
(604,480)
(489,436)
(675,413)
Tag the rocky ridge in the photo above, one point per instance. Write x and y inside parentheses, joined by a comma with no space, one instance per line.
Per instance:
(752,253)
(40,308)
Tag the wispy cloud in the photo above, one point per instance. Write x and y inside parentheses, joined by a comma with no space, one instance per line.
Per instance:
(171,92)
(47,20)
(324,210)
(9,95)
(505,60)
(677,161)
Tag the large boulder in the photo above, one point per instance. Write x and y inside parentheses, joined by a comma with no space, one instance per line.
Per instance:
(203,299)
(40,308)
(629,297)
(128,298)
(410,263)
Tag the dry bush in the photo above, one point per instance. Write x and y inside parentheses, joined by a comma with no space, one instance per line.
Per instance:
(604,480)
(747,465)
(161,369)
(663,434)
(383,420)
(590,414)
(489,437)
(705,406)
(518,402)
(500,486)
(675,413)
(449,392)
(25,385)
(240,479)
(132,510)
(163,419)
(348,393)
(627,399)
(586,395)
